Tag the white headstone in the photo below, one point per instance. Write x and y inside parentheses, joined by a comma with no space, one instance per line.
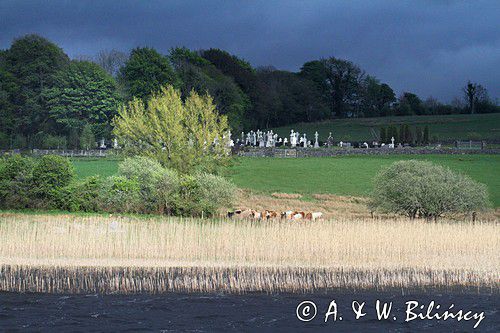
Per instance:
(391,145)
(316,143)
(260,137)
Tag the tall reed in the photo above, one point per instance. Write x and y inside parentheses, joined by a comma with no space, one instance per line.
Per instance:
(113,254)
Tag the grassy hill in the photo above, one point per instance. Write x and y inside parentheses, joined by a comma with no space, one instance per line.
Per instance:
(447,127)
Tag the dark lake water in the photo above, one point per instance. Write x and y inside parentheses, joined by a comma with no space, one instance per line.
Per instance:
(243,313)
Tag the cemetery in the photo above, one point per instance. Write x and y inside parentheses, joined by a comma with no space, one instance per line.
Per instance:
(269,144)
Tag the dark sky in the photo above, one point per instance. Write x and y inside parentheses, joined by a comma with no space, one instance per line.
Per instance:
(427,47)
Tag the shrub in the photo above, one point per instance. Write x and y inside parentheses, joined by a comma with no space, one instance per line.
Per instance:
(422,189)
(215,191)
(51,174)
(156,182)
(16,182)
(83,196)
(121,195)
(202,194)
(187,202)
(168,191)
(12,165)
(141,186)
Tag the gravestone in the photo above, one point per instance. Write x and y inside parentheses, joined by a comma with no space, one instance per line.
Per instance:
(329,141)
(293,139)
(316,143)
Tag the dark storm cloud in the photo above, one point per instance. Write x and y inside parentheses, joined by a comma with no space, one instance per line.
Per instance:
(428,47)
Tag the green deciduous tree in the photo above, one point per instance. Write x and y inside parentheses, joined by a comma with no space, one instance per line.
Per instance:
(33,61)
(286,98)
(344,80)
(410,104)
(82,93)
(375,98)
(145,72)
(8,91)
(198,74)
(185,135)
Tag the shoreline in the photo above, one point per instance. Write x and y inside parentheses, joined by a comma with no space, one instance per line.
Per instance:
(233,280)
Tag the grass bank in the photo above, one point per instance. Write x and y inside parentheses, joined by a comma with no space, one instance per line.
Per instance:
(86,167)
(349,175)
(343,175)
(112,254)
(445,127)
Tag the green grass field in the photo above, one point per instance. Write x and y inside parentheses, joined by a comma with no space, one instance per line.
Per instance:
(448,127)
(348,175)
(90,167)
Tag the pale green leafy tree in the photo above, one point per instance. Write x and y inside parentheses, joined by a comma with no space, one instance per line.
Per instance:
(184,135)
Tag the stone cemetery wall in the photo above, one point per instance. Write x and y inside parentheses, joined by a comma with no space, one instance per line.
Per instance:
(71,153)
(327,152)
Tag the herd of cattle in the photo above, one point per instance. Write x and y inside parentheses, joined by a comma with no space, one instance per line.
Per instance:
(270,214)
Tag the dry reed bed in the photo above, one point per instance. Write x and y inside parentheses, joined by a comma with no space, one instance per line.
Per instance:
(111,254)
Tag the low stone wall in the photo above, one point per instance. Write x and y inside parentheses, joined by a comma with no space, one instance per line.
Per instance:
(71,152)
(328,152)
(62,152)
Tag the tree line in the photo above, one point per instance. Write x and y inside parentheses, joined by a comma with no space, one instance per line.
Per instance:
(48,100)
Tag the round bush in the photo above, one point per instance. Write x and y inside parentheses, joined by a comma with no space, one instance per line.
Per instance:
(11,166)
(422,189)
(83,195)
(52,172)
(202,194)
(157,184)
(216,192)
(16,182)
(120,194)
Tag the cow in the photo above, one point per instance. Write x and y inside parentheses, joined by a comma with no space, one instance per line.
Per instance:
(298,215)
(240,213)
(234,213)
(270,214)
(316,215)
(256,215)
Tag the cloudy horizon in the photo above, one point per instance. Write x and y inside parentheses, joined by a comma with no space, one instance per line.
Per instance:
(430,48)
